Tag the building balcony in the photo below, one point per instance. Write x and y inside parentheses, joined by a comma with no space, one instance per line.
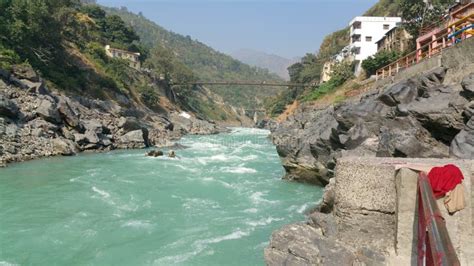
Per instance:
(357,31)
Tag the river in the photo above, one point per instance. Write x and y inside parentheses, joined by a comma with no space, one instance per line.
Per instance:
(217,204)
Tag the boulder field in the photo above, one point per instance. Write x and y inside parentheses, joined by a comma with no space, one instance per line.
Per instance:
(37,122)
(420,117)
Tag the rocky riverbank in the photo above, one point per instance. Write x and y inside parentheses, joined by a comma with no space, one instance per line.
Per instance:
(420,117)
(426,116)
(37,122)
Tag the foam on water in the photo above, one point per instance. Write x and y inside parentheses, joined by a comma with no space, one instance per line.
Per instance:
(257,198)
(217,204)
(137,224)
(102,193)
(238,170)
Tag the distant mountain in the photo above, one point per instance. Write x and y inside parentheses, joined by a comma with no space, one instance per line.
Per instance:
(206,63)
(274,63)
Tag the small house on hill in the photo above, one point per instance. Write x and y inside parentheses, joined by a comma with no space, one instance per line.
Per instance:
(133,58)
(397,39)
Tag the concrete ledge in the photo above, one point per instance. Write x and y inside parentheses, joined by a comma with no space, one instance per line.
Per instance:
(373,186)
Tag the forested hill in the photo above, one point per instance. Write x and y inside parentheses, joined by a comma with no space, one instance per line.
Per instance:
(206,63)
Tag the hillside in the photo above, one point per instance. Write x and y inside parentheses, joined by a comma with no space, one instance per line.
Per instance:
(274,63)
(65,43)
(310,67)
(206,63)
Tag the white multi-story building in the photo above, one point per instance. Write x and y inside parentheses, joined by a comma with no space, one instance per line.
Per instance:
(365,32)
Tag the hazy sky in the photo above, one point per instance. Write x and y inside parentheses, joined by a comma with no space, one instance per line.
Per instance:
(287,28)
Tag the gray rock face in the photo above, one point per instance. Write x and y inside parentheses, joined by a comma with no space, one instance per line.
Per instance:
(305,160)
(8,108)
(68,114)
(65,147)
(468,86)
(36,122)
(130,124)
(134,139)
(48,110)
(420,117)
(463,144)
(193,125)
(25,71)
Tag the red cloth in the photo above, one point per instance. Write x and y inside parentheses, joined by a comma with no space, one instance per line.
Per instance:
(444,179)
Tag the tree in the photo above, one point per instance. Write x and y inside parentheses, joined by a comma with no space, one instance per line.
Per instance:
(418,14)
(118,32)
(380,59)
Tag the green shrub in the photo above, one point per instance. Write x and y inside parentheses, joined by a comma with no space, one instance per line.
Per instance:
(148,95)
(8,58)
(379,60)
(341,73)
(97,51)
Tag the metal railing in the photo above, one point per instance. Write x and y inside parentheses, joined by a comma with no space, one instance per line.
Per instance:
(434,244)
(428,50)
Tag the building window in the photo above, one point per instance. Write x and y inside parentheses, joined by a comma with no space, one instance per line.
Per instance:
(386,26)
(355,38)
(356,50)
(368,38)
(357,25)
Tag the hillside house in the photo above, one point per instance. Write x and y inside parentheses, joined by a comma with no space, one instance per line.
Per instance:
(365,32)
(396,39)
(133,58)
(345,55)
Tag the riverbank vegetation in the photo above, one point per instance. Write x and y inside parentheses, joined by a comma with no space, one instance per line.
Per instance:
(64,41)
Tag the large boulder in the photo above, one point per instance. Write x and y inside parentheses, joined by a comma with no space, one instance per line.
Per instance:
(134,139)
(302,144)
(440,113)
(405,137)
(403,92)
(468,86)
(94,126)
(64,147)
(129,124)
(40,128)
(463,144)
(48,110)
(8,108)
(68,115)
(25,71)
(303,244)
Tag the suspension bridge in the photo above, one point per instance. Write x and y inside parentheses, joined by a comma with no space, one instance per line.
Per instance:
(244,83)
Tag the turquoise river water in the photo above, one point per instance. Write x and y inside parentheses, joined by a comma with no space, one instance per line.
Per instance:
(217,204)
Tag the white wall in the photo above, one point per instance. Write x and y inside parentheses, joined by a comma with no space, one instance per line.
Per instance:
(370,27)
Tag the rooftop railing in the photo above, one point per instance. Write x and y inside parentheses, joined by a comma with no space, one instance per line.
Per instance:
(453,34)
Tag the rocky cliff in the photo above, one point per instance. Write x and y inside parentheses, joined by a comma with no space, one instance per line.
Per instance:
(424,112)
(419,117)
(37,122)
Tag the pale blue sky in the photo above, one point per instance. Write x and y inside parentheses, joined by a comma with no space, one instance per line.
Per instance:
(283,27)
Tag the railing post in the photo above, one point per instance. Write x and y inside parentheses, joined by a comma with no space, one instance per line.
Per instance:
(432,232)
